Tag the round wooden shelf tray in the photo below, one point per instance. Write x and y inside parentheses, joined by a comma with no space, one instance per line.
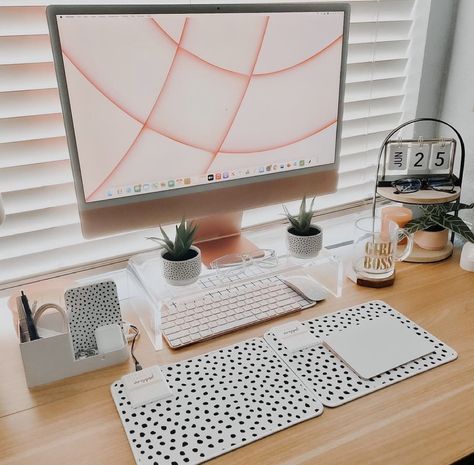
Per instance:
(419,255)
(423,197)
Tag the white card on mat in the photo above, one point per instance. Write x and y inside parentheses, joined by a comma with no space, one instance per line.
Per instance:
(378,345)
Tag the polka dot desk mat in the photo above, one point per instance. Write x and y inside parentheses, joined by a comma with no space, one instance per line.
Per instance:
(333,381)
(221,400)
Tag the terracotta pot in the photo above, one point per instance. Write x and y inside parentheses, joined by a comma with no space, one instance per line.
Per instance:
(431,240)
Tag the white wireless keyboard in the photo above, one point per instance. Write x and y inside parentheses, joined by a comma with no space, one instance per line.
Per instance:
(212,313)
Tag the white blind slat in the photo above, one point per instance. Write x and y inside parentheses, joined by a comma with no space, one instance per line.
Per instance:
(33,151)
(27,77)
(45,218)
(387,10)
(370,124)
(353,161)
(360,72)
(29,103)
(366,90)
(25,49)
(376,107)
(36,241)
(31,127)
(38,198)
(18,21)
(371,31)
(32,176)
(364,53)
(361,143)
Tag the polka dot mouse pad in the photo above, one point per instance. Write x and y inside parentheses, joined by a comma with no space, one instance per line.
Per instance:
(333,381)
(221,400)
(90,307)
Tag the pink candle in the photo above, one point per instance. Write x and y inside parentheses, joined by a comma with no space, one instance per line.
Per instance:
(399,215)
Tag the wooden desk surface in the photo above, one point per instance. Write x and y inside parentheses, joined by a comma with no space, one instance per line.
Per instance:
(428,419)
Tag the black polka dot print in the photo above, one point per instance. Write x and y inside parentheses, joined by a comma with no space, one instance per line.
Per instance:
(90,307)
(332,380)
(221,401)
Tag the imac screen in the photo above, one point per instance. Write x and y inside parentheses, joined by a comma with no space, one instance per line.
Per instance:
(168,101)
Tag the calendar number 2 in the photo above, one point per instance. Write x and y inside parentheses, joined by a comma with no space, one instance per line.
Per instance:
(418,156)
(419,161)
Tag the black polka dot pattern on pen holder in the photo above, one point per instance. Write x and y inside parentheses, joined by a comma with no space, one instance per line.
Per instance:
(222,400)
(332,380)
(90,307)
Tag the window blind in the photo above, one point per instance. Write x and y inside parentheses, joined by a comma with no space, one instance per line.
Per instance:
(42,230)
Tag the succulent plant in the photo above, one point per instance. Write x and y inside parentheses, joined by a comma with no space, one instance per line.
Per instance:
(184,237)
(301,223)
(441,215)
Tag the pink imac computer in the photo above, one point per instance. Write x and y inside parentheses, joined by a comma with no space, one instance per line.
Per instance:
(199,111)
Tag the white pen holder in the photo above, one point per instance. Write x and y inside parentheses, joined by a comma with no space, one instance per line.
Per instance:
(52,358)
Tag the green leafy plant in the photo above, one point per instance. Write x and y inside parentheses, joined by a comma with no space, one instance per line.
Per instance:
(442,216)
(181,247)
(301,223)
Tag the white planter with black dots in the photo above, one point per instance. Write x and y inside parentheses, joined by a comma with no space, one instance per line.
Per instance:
(304,246)
(304,238)
(182,272)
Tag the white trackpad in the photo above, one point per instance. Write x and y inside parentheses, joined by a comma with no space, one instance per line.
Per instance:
(376,346)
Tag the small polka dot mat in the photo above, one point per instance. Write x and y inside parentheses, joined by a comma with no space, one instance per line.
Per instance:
(333,382)
(90,307)
(221,401)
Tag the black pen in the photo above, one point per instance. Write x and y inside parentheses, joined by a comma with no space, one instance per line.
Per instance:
(29,318)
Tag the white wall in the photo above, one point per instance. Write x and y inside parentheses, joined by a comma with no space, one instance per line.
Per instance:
(458,105)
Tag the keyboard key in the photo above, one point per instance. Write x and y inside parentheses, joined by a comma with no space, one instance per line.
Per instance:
(232,325)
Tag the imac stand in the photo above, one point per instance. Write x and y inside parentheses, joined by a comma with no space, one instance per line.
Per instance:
(220,235)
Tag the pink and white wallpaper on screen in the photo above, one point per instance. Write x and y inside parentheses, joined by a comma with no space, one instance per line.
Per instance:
(167,96)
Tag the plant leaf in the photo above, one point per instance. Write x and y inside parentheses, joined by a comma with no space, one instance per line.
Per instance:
(456,225)
(465,206)
(302,207)
(419,224)
(165,236)
(162,244)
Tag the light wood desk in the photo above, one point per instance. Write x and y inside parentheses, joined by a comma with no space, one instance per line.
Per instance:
(428,419)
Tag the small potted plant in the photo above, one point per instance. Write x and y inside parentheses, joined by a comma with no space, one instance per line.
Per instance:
(305,239)
(431,229)
(181,259)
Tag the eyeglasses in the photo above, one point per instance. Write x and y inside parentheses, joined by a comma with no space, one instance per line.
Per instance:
(411,185)
(263,258)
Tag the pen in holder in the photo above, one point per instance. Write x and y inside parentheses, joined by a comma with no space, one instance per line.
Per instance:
(56,355)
